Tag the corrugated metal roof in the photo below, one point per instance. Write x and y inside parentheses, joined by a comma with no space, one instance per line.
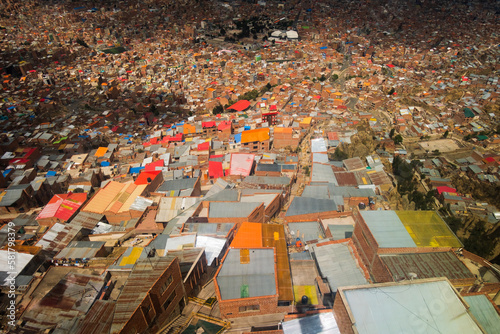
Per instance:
(316,191)
(426,265)
(273,235)
(484,312)
(337,263)
(428,307)
(180,242)
(236,209)
(22,259)
(58,237)
(170,207)
(80,250)
(318,145)
(306,231)
(70,298)
(213,246)
(226,195)
(281,180)
(320,157)
(387,229)
(98,319)
(347,192)
(241,164)
(86,220)
(306,205)
(354,163)
(322,323)
(259,198)
(256,278)
(179,184)
(142,278)
(341,231)
(323,173)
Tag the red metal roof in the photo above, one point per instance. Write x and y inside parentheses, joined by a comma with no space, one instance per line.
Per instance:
(151,167)
(240,105)
(143,177)
(215,169)
(63,206)
(204,146)
(208,124)
(445,189)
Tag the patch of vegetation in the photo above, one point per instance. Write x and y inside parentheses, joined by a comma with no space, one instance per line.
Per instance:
(115,50)
(407,183)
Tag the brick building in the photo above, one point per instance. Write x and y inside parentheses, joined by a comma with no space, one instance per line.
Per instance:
(255,140)
(428,305)
(153,295)
(284,137)
(254,277)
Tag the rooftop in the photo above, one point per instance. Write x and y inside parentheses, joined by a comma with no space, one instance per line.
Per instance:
(247,273)
(419,306)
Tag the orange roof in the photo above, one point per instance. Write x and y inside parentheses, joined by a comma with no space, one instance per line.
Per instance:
(249,235)
(283,130)
(255,135)
(188,128)
(115,197)
(101,151)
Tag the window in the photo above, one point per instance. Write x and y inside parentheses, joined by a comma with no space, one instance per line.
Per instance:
(249,308)
(169,301)
(165,285)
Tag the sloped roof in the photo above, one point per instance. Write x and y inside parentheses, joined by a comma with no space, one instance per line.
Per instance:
(240,105)
(63,206)
(115,197)
(143,177)
(241,164)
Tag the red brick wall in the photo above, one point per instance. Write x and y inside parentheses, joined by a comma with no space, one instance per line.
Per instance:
(341,315)
(230,308)
(380,272)
(315,216)
(140,321)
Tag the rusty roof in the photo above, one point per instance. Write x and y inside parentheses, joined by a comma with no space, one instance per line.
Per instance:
(99,318)
(426,265)
(142,278)
(71,297)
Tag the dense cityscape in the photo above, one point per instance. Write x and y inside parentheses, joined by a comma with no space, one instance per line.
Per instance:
(272,167)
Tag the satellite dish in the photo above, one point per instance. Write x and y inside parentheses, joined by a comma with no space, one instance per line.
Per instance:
(413,275)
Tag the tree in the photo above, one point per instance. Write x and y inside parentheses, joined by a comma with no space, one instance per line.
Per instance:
(445,134)
(218,109)
(391,134)
(322,77)
(334,77)
(398,139)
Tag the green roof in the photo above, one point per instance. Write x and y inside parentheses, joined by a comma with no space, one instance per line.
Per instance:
(482,137)
(468,113)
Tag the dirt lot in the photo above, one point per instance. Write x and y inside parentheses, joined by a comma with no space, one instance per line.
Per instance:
(443,145)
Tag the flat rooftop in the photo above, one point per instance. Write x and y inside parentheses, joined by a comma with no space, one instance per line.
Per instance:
(420,306)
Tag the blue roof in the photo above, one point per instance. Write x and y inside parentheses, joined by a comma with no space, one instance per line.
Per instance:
(387,229)
(51,173)
(247,127)
(6,172)
(237,137)
(104,163)
(135,170)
